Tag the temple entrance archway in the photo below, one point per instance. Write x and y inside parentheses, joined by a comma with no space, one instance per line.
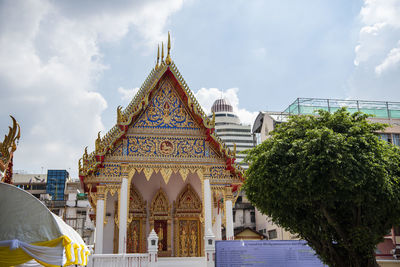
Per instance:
(188,230)
(160,220)
(136,237)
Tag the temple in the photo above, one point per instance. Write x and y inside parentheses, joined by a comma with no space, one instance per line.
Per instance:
(161,167)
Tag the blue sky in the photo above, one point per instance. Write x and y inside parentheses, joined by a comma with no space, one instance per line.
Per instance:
(66,65)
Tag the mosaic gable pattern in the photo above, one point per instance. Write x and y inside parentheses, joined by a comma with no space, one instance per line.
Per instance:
(166,111)
(164,146)
(110,170)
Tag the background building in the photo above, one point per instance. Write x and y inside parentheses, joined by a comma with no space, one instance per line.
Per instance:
(229,128)
(383,112)
(56,180)
(63,196)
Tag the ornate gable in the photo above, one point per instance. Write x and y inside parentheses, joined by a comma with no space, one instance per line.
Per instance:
(164,125)
(166,111)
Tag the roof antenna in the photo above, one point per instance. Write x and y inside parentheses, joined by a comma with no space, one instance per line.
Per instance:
(168,58)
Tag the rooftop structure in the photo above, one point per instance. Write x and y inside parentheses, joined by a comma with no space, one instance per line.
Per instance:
(380,109)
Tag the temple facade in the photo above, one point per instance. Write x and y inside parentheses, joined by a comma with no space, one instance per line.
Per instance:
(161,167)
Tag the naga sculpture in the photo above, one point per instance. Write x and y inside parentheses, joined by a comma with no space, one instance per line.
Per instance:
(7,149)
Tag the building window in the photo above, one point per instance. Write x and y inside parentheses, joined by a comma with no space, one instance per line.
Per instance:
(252,216)
(272,234)
(386,137)
(239,199)
(396,139)
(396,230)
(234,215)
(81,212)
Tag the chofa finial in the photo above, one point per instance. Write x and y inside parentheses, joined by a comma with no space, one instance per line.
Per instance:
(158,56)
(162,52)
(168,58)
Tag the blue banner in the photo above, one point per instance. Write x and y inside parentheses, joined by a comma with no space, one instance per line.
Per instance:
(266,253)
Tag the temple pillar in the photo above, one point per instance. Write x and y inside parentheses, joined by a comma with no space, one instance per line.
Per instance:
(229,214)
(218,221)
(207,205)
(123,216)
(99,220)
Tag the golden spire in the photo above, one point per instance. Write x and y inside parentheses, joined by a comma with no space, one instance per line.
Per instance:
(162,52)
(168,58)
(158,56)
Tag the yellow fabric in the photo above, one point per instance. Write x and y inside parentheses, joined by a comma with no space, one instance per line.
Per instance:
(18,256)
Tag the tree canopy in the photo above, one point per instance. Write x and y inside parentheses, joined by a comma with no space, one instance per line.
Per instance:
(332,181)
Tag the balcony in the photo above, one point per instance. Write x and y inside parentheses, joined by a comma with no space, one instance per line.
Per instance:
(55,203)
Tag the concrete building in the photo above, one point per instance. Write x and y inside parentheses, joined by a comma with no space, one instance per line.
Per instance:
(384,112)
(233,132)
(71,205)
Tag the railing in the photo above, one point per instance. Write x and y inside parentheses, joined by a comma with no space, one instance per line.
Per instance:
(119,260)
(380,109)
(55,203)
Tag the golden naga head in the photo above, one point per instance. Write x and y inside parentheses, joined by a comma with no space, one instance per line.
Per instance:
(9,145)
(120,115)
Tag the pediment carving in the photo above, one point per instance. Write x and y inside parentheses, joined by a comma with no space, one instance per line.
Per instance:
(160,205)
(188,201)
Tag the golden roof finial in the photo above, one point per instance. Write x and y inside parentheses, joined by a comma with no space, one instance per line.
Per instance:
(158,56)
(168,58)
(97,144)
(234,149)
(213,120)
(162,52)
(120,115)
(85,155)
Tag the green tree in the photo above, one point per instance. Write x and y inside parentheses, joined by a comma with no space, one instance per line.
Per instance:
(332,181)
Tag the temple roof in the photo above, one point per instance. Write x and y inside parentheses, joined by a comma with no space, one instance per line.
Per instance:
(89,163)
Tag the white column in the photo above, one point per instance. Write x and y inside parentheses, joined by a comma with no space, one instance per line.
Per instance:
(207,206)
(99,226)
(229,220)
(218,233)
(123,216)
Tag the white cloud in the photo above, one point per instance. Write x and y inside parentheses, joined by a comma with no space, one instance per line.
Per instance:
(206,98)
(127,94)
(377,55)
(392,59)
(50,61)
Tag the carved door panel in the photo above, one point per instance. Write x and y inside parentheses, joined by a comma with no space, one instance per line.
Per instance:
(133,237)
(160,226)
(189,238)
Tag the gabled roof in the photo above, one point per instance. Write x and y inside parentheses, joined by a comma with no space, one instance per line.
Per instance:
(89,163)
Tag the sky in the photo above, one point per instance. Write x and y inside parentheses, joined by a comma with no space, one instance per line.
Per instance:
(66,65)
